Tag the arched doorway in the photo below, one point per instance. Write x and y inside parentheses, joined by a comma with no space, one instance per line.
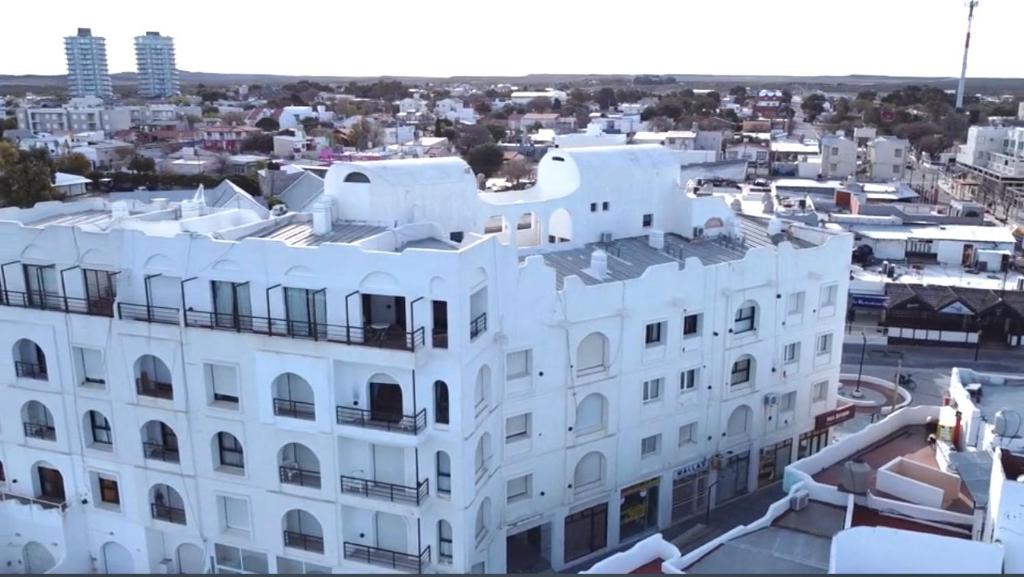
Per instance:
(37,558)
(385,398)
(559,226)
(191,559)
(117,559)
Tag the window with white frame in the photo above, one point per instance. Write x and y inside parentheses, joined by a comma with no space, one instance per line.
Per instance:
(518,364)
(791,353)
(820,391)
(221,384)
(688,379)
(691,325)
(654,334)
(828,295)
(687,434)
(649,446)
(652,389)
(517,428)
(746,318)
(231,559)
(519,488)
(788,402)
(233,512)
(824,345)
(795,303)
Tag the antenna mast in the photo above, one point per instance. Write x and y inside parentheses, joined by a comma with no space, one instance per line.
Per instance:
(967,45)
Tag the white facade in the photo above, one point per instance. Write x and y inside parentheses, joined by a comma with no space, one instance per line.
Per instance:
(998,149)
(87,65)
(79,115)
(888,157)
(403,380)
(154,57)
(838,157)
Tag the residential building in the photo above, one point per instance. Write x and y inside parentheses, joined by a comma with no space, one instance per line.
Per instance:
(888,157)
(154,58)
(525,96)
(226,138)
(414,376)
(87,65)
(838,157)
(85,114)
(993,158)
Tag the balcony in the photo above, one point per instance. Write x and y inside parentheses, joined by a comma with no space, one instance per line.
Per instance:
(52,302)
(386,491)
(40,431)
(295,409)
(477,326)
(303,541)
(387,558)
(30,370)
(378,338)
(167,513)
(155,389)
(161,452)
(396,423)
(44,502)
(290,475)
(147,313)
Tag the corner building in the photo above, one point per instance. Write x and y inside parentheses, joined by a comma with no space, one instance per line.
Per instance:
(413,377)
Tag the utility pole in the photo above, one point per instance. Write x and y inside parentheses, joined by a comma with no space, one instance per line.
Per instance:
(967,44)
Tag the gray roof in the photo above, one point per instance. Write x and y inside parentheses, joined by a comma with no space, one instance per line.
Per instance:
(769,550)
(629,258)
(301,233)
(302,191)
(975,469)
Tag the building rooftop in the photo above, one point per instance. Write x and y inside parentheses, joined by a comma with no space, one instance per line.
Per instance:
(301,233)
(962,232)
(937,274)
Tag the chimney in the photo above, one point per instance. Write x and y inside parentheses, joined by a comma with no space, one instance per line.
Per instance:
(321,218)
(656,239)
(119,210)
(598,264)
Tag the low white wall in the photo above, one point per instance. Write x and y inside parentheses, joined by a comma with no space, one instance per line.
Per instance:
(888,480)
(971,414)
(890,506)
(897,551)
(650,549)
(933,336)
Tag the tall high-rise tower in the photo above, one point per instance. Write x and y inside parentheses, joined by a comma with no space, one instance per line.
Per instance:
(154,56)
(87,65)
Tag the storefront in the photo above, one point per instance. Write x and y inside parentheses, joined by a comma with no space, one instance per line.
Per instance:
(733,477)
(773,461)
(586,532)
(639,509)
(690,490)
(813,441)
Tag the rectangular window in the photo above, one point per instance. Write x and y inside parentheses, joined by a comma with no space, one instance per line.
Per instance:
(234,513)
(109,493)
(101,433)
(517,428)
(648,220)
(745,319)
(654,333)
(824,346)
(691,325)
(796,303)
(788,402)
(89,364)
(687,434)
(791,353)
(652,390)
(688,380)
(221,384)
(820,391)
(740,372)
(828,295)
(649,446)
(234,560)
(604,205)
(519,488)
(593,207)
(898,153)
(518,364)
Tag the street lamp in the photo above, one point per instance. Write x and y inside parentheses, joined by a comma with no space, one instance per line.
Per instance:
(860,370)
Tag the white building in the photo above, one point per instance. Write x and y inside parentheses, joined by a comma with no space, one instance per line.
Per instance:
(85,114)
(402,379)
(454,110)
(838,157)
(525,96)
(87,65)
(154,57)
(888,157)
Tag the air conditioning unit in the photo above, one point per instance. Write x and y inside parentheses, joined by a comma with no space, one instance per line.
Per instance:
(771,399)
(799,500)
(606,236)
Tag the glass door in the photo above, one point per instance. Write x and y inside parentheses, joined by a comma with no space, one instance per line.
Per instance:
(306,312)
(232,307)
(100,291)
(40,283)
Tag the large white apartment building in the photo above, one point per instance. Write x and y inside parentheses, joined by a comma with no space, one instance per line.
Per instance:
(86,114)
(88,74)
(414,376)
(993,156)
(154,57)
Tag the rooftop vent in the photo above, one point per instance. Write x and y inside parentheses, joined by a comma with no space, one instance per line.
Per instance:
(598,264)
(656,239)
(321,218)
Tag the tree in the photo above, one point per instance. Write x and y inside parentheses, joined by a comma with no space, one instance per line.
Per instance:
(539,104)
(142,164)
(556,105)
(661,124)
(9,123)
(497,132)
(474,135)
(606,98)
(25,176)
(868,95)
(263,143)
(73,163)
(268,124)
(578,97)
(516,169)
(813,106)
(739,94)
(365,134)
(485,159)
(483,108)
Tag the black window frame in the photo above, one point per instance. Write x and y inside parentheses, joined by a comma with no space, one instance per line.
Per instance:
(236,449)
(742,316)
(106,485)
(691,325)
(741,366)
(103,427)
(654,333)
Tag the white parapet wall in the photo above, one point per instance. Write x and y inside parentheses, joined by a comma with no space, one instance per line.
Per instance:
(652,548)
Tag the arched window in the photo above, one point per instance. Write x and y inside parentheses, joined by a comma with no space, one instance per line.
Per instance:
(153,378)
(298,465)
(293,397)
(98,434)
(160,443)
(445,543)
(482,390)
(166,504)
(592,355)
(740,421)
(482,459)
(742,373)
(483,518)
(228,453)
(746,318)
(29,360)
(357,177)
(589,471)
(37,421)
(302,531)
(444,473)
(441,402)
(591,414)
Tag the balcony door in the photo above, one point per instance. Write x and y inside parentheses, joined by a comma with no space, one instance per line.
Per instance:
(391,533)
(232,307)
(100,291)
(306,312)
(386,402)
(40,282)
(51,485)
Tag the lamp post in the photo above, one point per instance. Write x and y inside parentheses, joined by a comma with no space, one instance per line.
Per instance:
(860,370)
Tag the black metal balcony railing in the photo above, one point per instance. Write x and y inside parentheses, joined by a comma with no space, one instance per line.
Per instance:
(41,431)
(156,389)
(388,558)
(302,477)
(390,338)
(386,491)
(303,541)
(295,409)
(411,424)
(161,452)
(148,313)
(167,513)
(30,370)
(52,302)
(478,325)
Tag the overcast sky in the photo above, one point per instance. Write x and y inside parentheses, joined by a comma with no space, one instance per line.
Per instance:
(514,37)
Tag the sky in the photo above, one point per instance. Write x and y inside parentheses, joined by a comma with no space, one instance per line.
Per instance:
(516,37)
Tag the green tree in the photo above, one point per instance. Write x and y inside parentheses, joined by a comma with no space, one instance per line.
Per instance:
(268,124)
(813,106)
(73,163)
(606,98)
(485,159)
(25,177)
(9,123)
(263,142)
(474,135)
(497,132)
(365,134)
(142,164)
